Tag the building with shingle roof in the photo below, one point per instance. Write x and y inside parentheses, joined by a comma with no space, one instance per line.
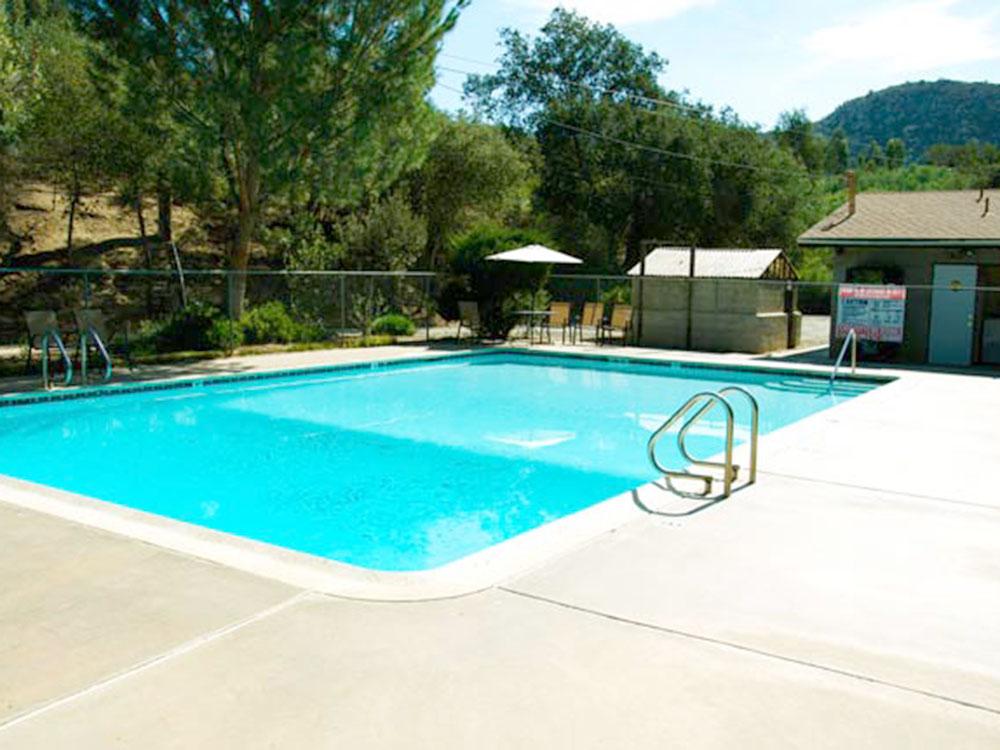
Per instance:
(944,247)
(957,218)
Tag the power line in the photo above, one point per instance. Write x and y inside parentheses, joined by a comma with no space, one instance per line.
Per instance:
(649,112)
(652,149)
(667,152)
(702,110)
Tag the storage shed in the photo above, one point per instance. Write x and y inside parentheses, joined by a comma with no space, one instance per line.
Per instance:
(705,298)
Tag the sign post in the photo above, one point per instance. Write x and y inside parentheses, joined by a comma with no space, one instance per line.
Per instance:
(876,313)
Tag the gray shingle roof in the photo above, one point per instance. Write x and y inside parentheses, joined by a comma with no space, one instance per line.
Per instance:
(931,216)
(717,263)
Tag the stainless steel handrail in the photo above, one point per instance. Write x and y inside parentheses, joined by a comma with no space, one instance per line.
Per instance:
(708,399)
(91,333)
(754,433)
(852,339)
(53,335)
(754,425)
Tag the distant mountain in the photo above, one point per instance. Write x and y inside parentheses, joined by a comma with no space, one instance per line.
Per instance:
(922,114)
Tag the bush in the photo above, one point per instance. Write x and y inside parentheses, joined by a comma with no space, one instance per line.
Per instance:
(186,330)
(225,334)
(269,323)
(393,324)
(619,294)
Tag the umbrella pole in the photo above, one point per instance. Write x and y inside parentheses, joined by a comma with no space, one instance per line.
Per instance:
(531,318)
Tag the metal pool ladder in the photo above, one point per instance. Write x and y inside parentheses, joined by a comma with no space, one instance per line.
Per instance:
(852,339)
(51,334)
(705,402)
(90,332)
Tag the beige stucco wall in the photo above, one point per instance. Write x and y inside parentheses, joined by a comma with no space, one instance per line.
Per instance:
(726,316)
(917,265)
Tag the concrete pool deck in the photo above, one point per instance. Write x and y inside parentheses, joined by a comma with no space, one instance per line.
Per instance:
(850,599)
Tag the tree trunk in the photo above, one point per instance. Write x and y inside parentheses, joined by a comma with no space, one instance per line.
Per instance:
(164,214)
(147,251)
(74,200)
(249,205)
(633,244)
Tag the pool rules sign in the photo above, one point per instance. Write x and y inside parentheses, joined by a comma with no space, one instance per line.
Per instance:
(875,312)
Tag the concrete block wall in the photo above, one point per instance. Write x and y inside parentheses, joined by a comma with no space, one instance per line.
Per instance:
(726,316)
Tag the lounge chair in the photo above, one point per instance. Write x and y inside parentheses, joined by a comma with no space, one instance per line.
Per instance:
(468,315)
(93,331)
(592,317)
(620,322)
(559,315)
(44,335)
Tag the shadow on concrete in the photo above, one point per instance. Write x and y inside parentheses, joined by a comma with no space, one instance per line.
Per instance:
(694,505)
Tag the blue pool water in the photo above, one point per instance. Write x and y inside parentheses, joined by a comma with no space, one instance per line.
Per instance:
(402,467)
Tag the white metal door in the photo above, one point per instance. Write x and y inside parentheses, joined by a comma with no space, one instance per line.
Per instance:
(953,309)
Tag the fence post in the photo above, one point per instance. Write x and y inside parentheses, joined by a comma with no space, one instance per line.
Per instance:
(368,306)
(343,304)
(427,308)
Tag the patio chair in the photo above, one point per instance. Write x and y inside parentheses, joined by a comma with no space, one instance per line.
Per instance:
(39,323)
(620,322)
(468,315)
(559,315)
(592,317)
(89,321)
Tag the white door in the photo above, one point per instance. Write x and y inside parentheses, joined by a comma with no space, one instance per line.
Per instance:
(953,309)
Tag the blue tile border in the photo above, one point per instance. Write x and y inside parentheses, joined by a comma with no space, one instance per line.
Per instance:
(211,381)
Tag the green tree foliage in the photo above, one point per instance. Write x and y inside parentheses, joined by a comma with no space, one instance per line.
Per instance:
(69,135)
(387,236)
(895,153)
(283,90)
(923,113)
(570,57)
(980,161)
(795,132)
(874,156)
(619,167)
(10,76)
(472,174)
(837,153)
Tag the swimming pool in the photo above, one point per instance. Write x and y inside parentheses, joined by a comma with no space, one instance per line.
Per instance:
(398,466)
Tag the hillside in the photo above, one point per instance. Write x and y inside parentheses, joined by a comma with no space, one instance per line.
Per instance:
(922,114)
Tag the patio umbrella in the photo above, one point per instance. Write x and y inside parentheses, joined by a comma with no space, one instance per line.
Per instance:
(534,254)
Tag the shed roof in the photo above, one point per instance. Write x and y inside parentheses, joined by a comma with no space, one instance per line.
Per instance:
(931,217)
(717,263)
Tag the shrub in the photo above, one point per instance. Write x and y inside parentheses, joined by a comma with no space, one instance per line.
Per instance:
(225,334)
(186,330)
(393,324)
(269,323)
(619,294)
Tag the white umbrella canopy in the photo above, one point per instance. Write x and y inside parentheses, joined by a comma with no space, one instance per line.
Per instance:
(534,254)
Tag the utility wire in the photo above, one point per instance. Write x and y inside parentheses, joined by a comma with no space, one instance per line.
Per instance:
(702,110)
(652,149)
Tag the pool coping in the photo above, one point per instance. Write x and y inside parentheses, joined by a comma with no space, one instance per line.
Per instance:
(477,571)
(195,381)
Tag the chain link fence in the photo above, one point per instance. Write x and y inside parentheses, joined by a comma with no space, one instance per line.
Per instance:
(753,316)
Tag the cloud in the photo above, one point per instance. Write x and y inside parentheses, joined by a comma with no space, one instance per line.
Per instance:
(620,13)
(907,37)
